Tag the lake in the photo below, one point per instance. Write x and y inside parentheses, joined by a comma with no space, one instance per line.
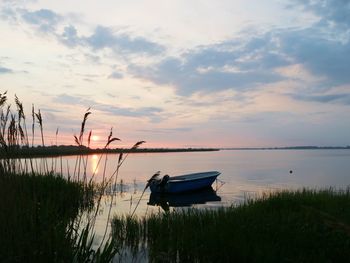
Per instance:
(244,174)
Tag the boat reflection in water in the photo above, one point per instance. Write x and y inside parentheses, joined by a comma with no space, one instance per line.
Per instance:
(183,200)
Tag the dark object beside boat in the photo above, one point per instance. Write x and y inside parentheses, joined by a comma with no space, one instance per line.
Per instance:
(182,183)
(183,200)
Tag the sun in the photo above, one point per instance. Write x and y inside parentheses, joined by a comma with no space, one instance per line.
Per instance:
(95,138)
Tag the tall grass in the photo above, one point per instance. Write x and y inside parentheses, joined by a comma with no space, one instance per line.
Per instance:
(289,226)
(44,214)
(37,217)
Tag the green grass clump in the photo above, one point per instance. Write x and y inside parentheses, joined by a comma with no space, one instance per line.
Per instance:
(36,214)
(288,226)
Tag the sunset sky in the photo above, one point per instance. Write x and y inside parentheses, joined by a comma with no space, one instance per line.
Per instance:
(199,73)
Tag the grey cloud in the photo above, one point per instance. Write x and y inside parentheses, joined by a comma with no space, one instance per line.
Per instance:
(93,58)
(243,66)
(4,70)
(321,56)
(107,38)
(248,54)
(19,1)
(115,75)
(129,112)
(48,21)
(70,36)
(218,67)
(8,14)
(211,56)
(151,112)
(166,130)
(326,98)
(45,19)
(336,11)
(267,116)
(104,37)
(111,95)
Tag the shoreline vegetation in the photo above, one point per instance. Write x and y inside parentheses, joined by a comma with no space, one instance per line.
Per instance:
(292,148)
(67,150)
(288,226)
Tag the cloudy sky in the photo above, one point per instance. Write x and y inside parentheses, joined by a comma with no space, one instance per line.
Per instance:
(199,73)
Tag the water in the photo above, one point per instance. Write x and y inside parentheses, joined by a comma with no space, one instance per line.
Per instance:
(244,173)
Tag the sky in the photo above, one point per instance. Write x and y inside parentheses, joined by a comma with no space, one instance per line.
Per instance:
(200,73)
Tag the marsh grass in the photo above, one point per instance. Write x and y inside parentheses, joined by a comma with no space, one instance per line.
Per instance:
(46,217)
(36,214)
(288,226)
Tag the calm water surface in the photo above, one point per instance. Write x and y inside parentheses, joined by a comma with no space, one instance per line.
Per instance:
(244,173)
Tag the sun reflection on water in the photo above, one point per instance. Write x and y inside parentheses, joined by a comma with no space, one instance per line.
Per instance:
(94,164)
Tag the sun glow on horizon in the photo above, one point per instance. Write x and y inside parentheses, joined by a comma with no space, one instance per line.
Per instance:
(95,138)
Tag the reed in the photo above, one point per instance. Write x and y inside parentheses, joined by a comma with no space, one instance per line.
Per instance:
(43,215)
(36,212)
(289,226)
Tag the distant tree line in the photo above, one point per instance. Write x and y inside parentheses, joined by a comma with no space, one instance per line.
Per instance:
(61,150)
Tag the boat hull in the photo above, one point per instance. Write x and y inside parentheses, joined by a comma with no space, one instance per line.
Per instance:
(185,183)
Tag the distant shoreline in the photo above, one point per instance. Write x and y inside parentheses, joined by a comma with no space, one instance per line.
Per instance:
(63,150)
(291,148)
(69,150)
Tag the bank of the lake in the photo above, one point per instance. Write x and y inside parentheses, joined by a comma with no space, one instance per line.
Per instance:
(287,226)
(69,150)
